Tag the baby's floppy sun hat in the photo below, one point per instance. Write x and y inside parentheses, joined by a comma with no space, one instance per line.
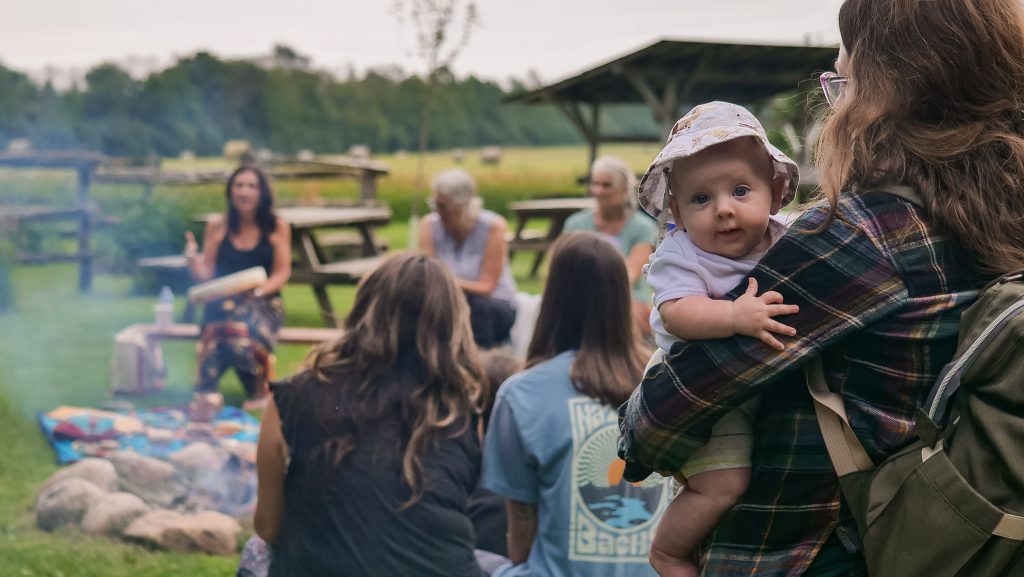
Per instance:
(703,127)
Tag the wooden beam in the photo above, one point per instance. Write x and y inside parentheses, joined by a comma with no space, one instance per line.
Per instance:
(571,111)
(647,93)
(595,123)
(51,159)
(368,185)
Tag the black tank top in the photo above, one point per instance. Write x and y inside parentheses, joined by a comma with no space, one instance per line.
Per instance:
(350,524)
(231,260)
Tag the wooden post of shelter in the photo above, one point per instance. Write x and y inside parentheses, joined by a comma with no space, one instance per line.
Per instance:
(84,228)
(595,129)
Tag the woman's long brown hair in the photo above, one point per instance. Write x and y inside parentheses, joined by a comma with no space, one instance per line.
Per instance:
(407,351)
(586,308)
(936,101)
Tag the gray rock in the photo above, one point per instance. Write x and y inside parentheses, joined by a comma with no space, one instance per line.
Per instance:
(153,480)
(207,532)
(99,472)
(65,502)
(112,513)
(151,526)
(198,456)
(135,469)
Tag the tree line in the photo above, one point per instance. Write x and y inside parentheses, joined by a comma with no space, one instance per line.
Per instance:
(281,103)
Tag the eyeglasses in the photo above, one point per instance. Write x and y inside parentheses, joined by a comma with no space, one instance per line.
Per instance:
(832,86)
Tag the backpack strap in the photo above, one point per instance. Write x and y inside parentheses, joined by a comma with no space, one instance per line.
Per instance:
(949,379)
(845,450)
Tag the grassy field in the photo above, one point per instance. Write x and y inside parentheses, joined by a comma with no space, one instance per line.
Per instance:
(55,344)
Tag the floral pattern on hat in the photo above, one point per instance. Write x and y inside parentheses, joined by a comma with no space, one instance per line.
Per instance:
(703,127)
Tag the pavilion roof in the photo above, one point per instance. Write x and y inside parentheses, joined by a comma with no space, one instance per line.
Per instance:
(701,71)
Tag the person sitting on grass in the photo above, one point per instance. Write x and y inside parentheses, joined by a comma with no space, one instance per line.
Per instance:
(366,458)
(471,242)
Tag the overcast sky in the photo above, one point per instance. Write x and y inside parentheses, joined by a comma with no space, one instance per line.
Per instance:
(554,38)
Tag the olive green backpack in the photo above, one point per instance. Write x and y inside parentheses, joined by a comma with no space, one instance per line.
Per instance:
(952,503)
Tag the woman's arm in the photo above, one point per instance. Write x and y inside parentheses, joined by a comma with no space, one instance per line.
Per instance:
(636,259)
(494,260)
(202,265)
(271,456)
(281,242)
(841,282)
(425,240)
(511,469)
(522,530)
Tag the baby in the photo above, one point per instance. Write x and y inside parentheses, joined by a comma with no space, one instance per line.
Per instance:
(723,182)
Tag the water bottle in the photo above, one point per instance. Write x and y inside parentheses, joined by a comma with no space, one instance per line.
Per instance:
(164,309)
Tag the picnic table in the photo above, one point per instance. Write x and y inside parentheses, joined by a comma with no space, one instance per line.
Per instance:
(312,265)
(555,210)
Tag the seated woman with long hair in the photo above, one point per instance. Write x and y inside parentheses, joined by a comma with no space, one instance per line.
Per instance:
(550,448)
(366,459)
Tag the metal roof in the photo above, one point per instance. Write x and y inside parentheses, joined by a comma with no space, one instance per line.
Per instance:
(701,71)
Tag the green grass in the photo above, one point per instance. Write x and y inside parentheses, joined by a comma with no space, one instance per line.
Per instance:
(56,344)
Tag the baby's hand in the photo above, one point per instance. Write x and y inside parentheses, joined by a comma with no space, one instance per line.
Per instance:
(752,316)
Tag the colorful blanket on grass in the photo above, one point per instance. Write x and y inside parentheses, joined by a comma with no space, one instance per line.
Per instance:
(78,432)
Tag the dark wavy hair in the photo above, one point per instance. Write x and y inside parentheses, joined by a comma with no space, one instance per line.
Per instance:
(586,308)
(407,352)
(266,219)
(935,101)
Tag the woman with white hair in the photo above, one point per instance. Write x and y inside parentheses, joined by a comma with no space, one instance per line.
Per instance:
(471,242)
(617,220)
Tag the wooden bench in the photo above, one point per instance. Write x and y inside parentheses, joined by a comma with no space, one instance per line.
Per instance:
(529,240)
(343,243)
(190,332)
(347,271)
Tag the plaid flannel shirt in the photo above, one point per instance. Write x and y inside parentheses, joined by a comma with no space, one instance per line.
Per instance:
(880,296)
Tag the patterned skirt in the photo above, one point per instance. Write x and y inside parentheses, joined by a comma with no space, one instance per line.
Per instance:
(239,332)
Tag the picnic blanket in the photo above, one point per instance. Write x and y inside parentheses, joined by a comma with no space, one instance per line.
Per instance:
(79,432)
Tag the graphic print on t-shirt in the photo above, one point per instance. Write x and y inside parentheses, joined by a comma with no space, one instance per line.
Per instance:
(610,519)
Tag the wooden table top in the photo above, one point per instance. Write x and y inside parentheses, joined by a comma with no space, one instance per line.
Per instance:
(306,217)
(551,205)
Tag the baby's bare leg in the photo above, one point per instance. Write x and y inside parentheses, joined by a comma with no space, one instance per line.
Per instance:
(692,516)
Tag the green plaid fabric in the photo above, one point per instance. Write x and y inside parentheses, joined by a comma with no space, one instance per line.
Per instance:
(880,296)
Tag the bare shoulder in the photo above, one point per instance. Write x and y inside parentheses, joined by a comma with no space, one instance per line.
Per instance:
(498,224)
(427,222)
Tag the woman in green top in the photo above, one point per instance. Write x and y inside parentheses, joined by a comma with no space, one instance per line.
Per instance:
(616,219)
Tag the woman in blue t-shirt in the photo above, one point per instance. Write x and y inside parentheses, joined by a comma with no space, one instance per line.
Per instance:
(551,446)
